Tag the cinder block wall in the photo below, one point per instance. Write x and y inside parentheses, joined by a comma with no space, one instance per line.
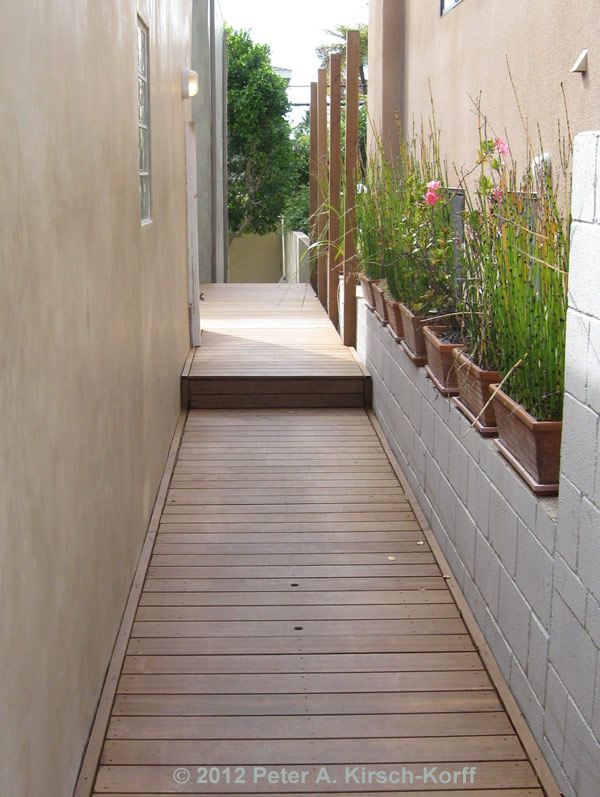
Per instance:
(533,583)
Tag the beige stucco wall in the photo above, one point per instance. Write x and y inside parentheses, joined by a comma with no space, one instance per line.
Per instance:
(465,52)
(94,333)
(256,258)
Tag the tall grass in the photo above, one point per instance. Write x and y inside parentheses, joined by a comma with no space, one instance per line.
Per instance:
(515,266)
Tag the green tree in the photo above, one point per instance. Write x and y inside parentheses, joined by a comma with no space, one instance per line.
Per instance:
(296,214)
(325,50)
(260,157)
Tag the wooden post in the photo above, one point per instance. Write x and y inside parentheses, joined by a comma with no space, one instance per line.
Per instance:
(350,266)
(323,192)
(335,155)
(313,183)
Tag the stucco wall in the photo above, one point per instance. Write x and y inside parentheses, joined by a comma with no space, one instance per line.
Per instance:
(256,258)
(209,115)
(465,52)
(93,324)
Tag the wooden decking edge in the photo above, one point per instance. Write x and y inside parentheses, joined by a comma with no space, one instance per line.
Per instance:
(532,750)
(91,757)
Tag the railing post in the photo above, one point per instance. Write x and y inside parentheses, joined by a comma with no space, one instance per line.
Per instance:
(313,184)
(323,192)
(335,79)
(350,267)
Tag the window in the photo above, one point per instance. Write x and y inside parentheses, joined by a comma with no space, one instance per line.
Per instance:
(446,5)
(143,120)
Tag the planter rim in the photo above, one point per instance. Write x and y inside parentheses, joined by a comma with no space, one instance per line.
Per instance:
(482,373)
(531,422)
(370,280)
(430,331)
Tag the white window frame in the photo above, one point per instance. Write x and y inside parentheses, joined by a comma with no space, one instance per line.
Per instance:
(143,119)
(448,5)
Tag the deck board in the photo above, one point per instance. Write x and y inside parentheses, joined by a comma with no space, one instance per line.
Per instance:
(293,615)
(271,346)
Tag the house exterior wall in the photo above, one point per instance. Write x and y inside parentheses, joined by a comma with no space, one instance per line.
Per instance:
(209,115)
(256,258)
(465,52)
(94,331)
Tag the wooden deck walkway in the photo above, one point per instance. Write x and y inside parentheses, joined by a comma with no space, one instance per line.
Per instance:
(271,346)
(293,628)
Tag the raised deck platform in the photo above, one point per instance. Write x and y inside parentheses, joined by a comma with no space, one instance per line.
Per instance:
(271,346)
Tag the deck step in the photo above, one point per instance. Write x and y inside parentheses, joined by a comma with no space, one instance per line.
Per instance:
(275,392)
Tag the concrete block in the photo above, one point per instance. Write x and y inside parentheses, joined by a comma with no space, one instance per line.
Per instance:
(476,601)
(537,659)
(455,562)
(441,444)
(570,588)
(464,537)
(478,496)
(470,438)
(567,530)
(516,492)
(593,365)
(582,753)
(458,464)
(534,573)
(427,426)
(514,616)
(555,718)
(447,507)
(579,441)
(498,644)
(588,563)
(545,522)
(576,355)
(573,655)
(502,530)
(487,573)
(592,620)
(585,199)
(419,456)
(566,790)
(527,700)
(596,712)
(439,532)
(584,285)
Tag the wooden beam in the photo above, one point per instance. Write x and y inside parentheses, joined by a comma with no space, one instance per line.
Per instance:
(335,155)
(313,182)
(350,265)
(322,217)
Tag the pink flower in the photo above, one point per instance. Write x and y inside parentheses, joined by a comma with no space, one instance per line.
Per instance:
(434,185)
(431,198)
(497,194)
(501,146)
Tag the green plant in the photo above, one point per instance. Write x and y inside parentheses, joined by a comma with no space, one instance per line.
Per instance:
(515,263)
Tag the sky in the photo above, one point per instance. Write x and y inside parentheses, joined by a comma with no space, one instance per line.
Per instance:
(292,29)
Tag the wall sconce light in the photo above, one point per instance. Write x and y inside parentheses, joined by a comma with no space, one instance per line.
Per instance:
(189,83)
(581,64)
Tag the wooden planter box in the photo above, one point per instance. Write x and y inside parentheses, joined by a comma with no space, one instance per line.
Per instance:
(441,365)
(414,340)
(394,317)
(474,393)
(367,288)
(380,307)
(532,447)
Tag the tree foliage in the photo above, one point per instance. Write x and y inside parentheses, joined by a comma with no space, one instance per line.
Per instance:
(296,214)
(259,148)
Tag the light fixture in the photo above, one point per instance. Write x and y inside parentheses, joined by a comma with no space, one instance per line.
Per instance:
(581,64)
(189,83)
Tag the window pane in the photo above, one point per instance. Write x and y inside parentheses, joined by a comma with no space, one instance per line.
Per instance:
(142,104)
(145,196)
(142,48)
(143,149)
